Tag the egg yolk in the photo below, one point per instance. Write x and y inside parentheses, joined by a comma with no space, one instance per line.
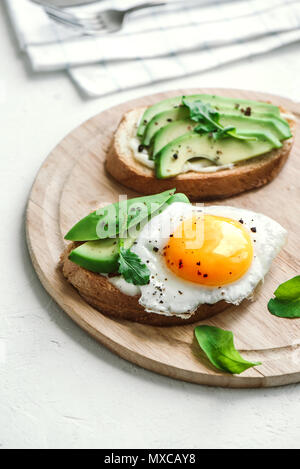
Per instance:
(209,250)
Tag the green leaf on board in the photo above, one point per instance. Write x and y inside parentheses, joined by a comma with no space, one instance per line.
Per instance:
(219,348)
(286,303)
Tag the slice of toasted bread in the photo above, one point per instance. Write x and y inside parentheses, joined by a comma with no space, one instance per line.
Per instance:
(100,293)
(247,175)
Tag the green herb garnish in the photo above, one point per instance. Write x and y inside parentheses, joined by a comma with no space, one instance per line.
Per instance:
(208,120)
(286,303)
(131,266)
(219,348)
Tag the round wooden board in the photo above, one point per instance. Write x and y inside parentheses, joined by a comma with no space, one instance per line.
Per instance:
(73,181)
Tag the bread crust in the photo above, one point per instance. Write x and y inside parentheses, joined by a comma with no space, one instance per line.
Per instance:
(100,293)
(255,173)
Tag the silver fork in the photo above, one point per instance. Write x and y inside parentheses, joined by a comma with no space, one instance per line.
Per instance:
(104,22)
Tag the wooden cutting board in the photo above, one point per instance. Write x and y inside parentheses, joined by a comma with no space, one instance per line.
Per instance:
(73,181)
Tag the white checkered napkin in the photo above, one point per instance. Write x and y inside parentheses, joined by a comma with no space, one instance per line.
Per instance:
(156,44)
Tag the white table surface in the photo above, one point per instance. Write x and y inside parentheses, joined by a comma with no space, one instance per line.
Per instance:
(58,387)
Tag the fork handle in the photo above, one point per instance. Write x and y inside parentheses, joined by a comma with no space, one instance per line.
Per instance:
(146,5)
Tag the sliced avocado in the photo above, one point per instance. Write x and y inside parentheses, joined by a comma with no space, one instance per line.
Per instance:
(261,135)
(162,119)
(161,106)
(171,132)
(248,127)
(105,223)
(222,102)
(251,124)
(234,117)
(170,160)
(219,102)
(175,198)
(282,127)
(178,198)
(99,256)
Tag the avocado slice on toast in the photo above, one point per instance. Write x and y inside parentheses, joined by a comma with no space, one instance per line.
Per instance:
(220,103)
(102,255)
(171,159)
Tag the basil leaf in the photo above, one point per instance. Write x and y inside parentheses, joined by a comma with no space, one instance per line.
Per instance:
(203,113)
(208,119)
(284,309)
(289,290)
(286,303)
(106,222)
(219,348)
(204,128)
(132,268)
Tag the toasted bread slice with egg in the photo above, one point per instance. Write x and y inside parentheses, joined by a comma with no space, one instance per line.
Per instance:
(100,293)
(244,176)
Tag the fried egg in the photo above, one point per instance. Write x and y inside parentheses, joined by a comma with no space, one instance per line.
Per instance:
(202,255)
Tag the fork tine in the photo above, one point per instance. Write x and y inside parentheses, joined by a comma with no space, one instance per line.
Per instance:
(86,22)
(80,22)
(93,25)
(77,25)
(65,22)
(90,20)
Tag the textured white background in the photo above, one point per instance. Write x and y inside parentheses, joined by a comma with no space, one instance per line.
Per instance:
(58,387)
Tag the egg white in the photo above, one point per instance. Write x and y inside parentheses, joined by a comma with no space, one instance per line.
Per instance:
(170,295)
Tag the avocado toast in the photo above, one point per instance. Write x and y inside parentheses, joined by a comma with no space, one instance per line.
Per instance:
(206,146)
